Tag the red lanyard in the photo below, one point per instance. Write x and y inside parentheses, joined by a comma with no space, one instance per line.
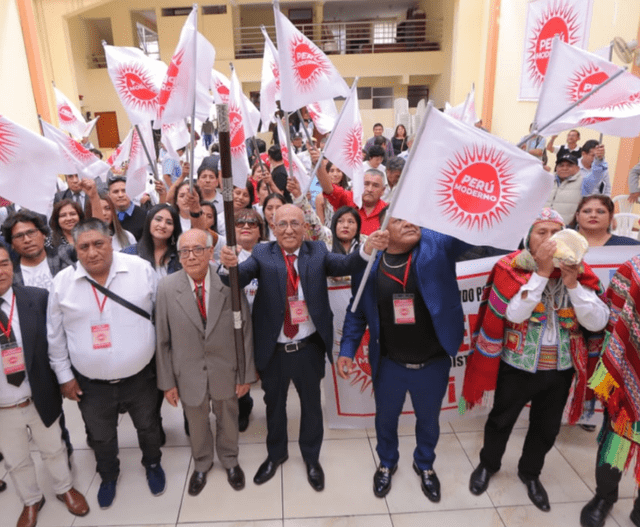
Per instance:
(291,272)
(104,300)
(7,331)
(403,282)
(201,303)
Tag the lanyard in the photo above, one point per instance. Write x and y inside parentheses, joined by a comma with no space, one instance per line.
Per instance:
(201,302)
(291,272)
(104,300)
(7,331)
(403,282)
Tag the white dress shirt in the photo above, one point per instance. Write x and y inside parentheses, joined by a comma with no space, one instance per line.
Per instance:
(73,309)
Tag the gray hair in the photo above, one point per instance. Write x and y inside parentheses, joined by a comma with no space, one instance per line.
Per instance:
(91,224)
(395,163)
(209,242)
(374,172)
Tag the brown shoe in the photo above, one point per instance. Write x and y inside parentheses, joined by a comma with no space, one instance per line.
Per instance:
(75,502)
(29,516)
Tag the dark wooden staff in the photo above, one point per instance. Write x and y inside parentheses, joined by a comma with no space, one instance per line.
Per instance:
(229,220)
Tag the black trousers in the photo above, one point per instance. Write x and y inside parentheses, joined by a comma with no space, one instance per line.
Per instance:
(547,391)
(306,369)
(100,405)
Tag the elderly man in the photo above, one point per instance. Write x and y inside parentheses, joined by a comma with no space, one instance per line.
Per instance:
(372,203)
(196,358)
(567,192)
(412,307)
(30,402)
(294,331)
(101,347)
(529,347)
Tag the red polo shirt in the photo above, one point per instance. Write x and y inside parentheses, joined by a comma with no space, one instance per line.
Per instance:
(341,197)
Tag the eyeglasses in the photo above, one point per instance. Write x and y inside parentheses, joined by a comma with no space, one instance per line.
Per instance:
(283,225)
(30,233)
(251,223)
(197,251)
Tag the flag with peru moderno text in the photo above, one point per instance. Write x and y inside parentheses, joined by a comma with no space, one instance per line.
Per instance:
(468,184)
(29,166)
(572,73)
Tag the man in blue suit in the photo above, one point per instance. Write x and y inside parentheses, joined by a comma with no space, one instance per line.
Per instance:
(293,330)
(411,304)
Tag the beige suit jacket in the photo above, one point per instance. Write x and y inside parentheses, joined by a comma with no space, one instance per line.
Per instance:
(188,355)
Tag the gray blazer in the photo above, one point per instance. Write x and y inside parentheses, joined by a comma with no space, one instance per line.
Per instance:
(187,355)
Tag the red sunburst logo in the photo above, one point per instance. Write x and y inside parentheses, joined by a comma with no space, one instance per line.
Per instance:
(236,131)
(65,113)
(135,88)
(477,188)
(275,71)
(352,150)
(169,81)
(79,152)
(309,64)
(559,19)
(223,91)
(136,145)
(361,373)
(8,142)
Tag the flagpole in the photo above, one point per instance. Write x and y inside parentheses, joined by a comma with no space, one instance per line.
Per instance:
(287,133)
(306,132)
(193,110)
(227,194)
(610,57)
(154,168)
(391,207)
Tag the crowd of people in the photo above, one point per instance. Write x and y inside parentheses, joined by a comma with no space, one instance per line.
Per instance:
(120,304)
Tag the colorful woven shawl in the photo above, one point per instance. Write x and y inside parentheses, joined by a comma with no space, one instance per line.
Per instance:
(506,278)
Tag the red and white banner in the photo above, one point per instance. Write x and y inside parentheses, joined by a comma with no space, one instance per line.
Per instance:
(471,185)
(137,80)
(238,134)
(350,403)
(572,73)
(568,19)
(69,117)
(29,167)
(131,159)
(220,87)
(465,112)
(323,114)
(270,85)
(174,137)
(299,170)
(185,83)
(306,74)
(344,147)
(79,160)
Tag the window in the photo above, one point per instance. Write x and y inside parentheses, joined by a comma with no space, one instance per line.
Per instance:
(214,9)
(364,93)
(176,11)
(384,32)
(148,41)
(416,93)
(382,98)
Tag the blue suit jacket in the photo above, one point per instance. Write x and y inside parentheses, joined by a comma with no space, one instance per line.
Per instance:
(434,267)
(315,263)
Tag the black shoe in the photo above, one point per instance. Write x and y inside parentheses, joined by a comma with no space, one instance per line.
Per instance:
(429,482)
(595,512)
(3,486)
(315,475)
(245,404)
(536,493)
(243,423)
(382,480)
(235,477)
(479,480)
(197,482)
(267,470)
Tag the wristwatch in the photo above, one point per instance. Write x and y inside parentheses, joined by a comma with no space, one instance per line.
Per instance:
(195,214)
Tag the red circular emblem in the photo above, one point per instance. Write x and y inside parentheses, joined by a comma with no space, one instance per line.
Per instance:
(555,26)
(66,113)
(138,88)
(309,64)
(477,188)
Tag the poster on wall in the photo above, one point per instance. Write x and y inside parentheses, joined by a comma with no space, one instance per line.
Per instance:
(568,19)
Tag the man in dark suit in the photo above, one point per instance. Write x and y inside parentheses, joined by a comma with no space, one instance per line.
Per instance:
(293,329)
(131,216)
(76,193)
(30,400)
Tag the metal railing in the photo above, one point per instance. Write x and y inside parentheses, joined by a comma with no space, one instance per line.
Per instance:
(344,38)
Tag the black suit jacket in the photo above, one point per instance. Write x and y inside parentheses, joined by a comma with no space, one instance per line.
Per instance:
(135,223)
(67,194)
(31,303)
(315,263)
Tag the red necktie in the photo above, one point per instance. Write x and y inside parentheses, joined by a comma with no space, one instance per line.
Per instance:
(199,290)
(15,374)
(290,330)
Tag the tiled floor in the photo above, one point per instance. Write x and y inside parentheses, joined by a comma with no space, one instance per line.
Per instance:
(349,461)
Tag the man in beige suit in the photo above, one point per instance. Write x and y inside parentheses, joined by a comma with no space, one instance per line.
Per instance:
(196,357)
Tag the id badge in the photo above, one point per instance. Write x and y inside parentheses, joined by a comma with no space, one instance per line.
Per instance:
(298,309)
(100,335)
(12,358)
(403,309)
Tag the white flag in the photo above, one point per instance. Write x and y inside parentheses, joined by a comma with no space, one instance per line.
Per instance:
(80,160)
(69,117)
(344,147)
(238,135)
(270,85)
(29,167)
(250,114)
(184,82)
(465,112)
(471,185)
(306,74)
(571,74)
(323,114)
(174,137)
(220,87)
(137,170)
(299,170)
(137,80)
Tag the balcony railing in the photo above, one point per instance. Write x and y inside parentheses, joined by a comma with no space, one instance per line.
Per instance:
(344,38)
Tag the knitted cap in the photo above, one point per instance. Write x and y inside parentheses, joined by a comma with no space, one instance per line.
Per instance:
(546,214)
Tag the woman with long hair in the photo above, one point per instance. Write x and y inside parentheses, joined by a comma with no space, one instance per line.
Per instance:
(593,219)
(243,198)
(399,140)
(65,216)
(345,230)
(180,202)
(269,206)
(120,238)
(324,209)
